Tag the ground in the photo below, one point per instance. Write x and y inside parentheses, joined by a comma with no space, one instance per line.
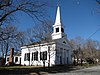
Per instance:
(87,71)
(56,70)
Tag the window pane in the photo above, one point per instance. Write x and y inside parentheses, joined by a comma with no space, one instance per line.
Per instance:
(62,30)
(16,59)
(32,56)
(36,56)
(43,55)
(27,57)
(57,30)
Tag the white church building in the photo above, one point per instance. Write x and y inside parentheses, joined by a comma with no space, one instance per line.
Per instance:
(56,52)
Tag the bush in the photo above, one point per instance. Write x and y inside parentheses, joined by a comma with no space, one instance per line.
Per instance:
(2,61)
(90,60)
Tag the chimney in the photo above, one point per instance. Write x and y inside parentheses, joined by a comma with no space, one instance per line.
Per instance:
(11,52)
(11,55)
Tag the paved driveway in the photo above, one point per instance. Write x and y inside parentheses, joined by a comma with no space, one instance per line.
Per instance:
(87,71)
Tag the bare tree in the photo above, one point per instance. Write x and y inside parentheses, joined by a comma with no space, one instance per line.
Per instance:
(85,49)
(10,37)
(77,44)
(98,1)
(33,8)
(8,10)
(42,32)
(90,49)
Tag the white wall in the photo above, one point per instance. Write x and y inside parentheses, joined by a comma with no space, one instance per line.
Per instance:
(39,49)
(18,62)
(64,54)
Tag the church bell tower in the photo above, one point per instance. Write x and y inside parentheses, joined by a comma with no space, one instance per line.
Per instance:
(58,28)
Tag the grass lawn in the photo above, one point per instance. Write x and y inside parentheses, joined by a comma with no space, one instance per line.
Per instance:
(18,67)
(21,70)
(34,70)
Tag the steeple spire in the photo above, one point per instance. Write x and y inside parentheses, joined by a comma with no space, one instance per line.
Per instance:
(58,29)
(58,18)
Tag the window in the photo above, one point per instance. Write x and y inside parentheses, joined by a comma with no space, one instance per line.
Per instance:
(16,59)
(27,57)
(43,55)
(64,42)
(57,29)
(7,58)
(36,56)
(62,30)
(32,56)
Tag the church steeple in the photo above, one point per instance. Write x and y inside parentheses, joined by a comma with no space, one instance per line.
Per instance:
(58,19)
(58,29)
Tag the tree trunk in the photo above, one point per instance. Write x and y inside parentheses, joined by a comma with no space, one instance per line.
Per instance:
(2,49)
(81,62)
(6,51)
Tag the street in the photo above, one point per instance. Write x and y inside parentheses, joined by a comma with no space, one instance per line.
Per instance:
(87,71)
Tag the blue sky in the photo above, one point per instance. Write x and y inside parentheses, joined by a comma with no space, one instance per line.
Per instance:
(80,18)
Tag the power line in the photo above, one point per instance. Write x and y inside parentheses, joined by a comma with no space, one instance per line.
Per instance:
(94,33)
